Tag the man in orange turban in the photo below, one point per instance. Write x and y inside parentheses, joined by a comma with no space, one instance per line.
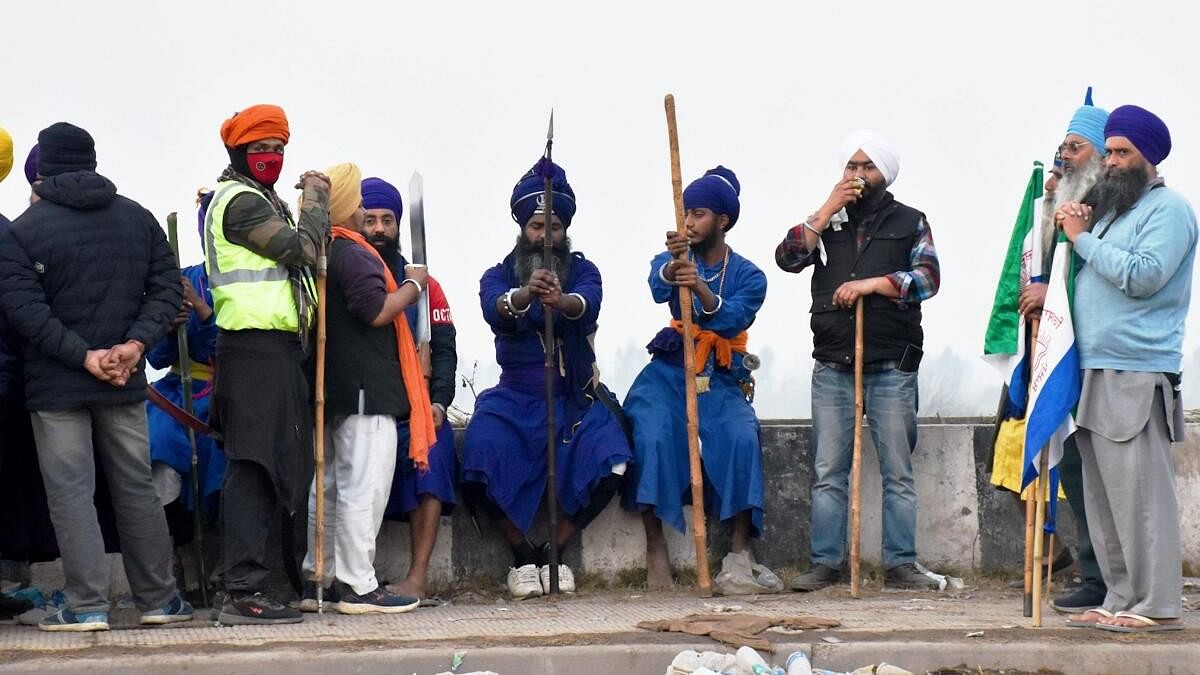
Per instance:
(258,262)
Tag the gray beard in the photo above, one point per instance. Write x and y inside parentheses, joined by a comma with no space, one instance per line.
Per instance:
(1073,187)
(528,257)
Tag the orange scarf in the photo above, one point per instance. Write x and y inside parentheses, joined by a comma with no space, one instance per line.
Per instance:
(707,341)
(421,433)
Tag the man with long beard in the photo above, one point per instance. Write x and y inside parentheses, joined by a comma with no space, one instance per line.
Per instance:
(1131,301)
(862,243)
(728,292)
(1083,155)
(504,452)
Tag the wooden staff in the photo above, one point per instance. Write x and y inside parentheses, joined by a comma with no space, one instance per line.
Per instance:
(1042,494)
(1030,503)
(699,526)
(856,458)
(322,270)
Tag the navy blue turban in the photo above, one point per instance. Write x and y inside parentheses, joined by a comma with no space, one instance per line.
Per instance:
(717,190)
(1143,128)
(377,193)
(528,196)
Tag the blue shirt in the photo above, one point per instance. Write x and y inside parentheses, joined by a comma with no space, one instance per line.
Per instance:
(1132,295)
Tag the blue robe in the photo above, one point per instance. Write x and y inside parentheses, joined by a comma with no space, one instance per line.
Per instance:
(505,444)
(729,432)
(168,438)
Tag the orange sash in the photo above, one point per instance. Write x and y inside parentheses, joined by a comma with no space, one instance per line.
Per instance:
(421,433)
(707,341)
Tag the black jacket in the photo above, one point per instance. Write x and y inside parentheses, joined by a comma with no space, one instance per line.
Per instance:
(84,268)
(10,356)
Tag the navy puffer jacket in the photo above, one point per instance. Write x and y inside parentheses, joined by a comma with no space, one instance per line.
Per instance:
(84,268)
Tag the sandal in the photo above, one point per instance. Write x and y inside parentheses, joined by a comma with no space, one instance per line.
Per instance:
(1148,625)
(1080,623)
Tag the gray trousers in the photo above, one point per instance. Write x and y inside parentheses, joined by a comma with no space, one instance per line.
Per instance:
(122,445)
(1129,490)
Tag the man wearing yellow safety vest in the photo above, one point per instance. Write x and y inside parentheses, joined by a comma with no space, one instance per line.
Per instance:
(258,259)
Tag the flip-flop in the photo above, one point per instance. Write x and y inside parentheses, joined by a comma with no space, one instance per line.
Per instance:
(1148,625)
(1091,624)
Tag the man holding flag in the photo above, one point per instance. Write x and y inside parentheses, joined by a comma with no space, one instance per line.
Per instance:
(1131,298)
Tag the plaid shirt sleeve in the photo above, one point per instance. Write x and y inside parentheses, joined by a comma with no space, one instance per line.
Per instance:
(922,282)
(792,255)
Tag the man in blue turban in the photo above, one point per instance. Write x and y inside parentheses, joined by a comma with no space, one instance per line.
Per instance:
(1131,302)
(504,468)
(727,292)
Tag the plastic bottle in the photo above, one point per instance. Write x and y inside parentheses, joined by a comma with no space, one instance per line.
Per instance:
(749,661)
(797,664)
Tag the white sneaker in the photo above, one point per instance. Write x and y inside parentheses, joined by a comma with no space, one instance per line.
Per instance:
(523,582)
(566,579)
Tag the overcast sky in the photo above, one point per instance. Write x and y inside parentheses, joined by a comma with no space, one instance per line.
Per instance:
(970,95)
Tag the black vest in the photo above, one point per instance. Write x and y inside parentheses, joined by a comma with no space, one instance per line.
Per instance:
(889,326)
(359,356)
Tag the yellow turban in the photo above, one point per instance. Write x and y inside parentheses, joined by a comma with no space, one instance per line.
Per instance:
(6,154)
(345,192)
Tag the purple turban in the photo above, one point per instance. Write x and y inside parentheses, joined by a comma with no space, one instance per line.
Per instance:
(528,195)
(1143,128)
(377,193)
(31,165)
(717,190)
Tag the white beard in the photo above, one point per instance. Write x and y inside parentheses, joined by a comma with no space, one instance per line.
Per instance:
(1072,187)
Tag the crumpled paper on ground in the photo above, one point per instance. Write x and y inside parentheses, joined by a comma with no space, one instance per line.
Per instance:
(737,629)
(944,581)
(741,576)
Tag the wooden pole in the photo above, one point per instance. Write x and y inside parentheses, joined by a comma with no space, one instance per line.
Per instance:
(1041,494)
(856,459)
(1030,509)
(319,474)
(699,526)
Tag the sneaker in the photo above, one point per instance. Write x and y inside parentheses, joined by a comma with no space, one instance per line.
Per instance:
(255,608)
(378,601)
(817,577)
(64,620)
(524,582)
(308,601)
(908,577)
(176,611)
(12,606)
(566,579)
(1079,600)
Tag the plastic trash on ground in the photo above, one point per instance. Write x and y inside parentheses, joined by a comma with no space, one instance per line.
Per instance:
(690,662)
(740,576)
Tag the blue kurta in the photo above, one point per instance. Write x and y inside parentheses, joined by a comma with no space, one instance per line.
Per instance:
(168,438)
(505,444)
(729,434)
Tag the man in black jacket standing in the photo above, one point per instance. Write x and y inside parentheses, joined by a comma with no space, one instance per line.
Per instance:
(88,281)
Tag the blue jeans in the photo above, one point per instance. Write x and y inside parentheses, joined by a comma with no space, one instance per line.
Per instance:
(890,399)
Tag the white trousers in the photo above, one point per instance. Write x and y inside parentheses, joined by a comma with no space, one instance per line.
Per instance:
(360,457)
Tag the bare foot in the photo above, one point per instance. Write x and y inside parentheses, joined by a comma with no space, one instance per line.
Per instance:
(410,587)
(1130,622)
(658,571)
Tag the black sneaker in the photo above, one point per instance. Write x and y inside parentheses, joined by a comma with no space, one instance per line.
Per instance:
(1080,599)
(308,601)
(817,577)
(378,601)
(256,608)
(908,577)
(10,606)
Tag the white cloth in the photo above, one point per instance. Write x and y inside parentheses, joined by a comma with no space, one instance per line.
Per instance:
(360,457)
(881,152)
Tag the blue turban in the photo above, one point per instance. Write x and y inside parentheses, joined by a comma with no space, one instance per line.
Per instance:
(528,195)
(1088,121)
(1143,128)
(377,193)
(717,190)
(203,199)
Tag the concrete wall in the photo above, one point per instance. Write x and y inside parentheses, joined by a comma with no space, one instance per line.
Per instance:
(963,523)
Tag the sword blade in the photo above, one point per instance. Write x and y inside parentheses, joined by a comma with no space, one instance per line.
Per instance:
(416,223)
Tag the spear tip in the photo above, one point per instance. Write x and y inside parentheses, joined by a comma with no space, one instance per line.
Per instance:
(550,131)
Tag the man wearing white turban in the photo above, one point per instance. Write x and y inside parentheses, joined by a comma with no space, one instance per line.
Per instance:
(862,243)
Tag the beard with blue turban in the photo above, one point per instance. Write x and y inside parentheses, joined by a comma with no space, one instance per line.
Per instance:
(377,193)
(528,195)
(718,191)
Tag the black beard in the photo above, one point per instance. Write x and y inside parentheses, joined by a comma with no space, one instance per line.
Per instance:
(701,248)
(528,256)
(385,244)
(866,204)
(1117,192)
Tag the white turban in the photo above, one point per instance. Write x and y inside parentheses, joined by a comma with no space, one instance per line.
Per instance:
(885,157)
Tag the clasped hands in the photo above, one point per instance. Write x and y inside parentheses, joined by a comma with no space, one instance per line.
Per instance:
(1073,218)
(680,271)
(116,364)
(544,285)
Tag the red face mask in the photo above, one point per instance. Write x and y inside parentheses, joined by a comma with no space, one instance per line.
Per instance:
(265,167)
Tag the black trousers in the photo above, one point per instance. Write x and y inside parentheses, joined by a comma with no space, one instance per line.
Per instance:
(249,513)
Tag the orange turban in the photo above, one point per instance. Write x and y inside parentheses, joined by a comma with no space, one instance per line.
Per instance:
(256,123)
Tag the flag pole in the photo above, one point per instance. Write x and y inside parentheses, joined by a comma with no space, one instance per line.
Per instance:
(1042,490)
(1030,506)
